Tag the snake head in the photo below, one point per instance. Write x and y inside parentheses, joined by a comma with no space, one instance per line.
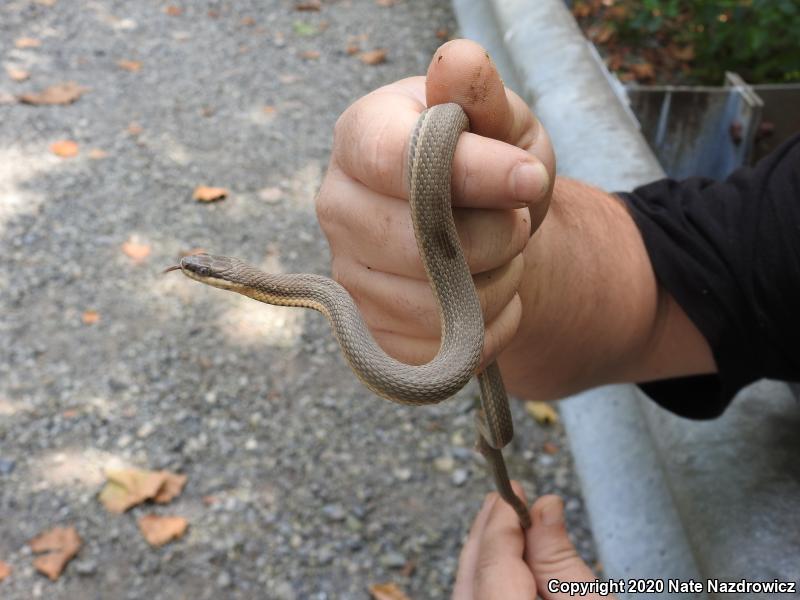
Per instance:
(210,269)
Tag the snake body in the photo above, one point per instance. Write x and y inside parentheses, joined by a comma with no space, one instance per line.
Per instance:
(430,159)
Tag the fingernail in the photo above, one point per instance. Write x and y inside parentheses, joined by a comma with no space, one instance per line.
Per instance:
(529,181)
(553,513)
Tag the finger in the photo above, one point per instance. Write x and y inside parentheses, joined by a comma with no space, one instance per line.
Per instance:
(500,571)
(379,227)
(392,302)
(469,553)
(462,71)
(549,552)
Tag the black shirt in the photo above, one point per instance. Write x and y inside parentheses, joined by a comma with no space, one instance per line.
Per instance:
(729,253)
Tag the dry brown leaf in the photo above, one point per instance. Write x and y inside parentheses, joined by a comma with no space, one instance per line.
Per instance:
(442,33)
(352,49)
(385,3)
(90,317)
(269,110)
(97,154)
(64,148)
(643,71)
(204,193)
(61,93)
(61,544)
(601,34)
(134,128)
(373,57)
(17,74)
(173,11)
(171,488)
(5,570)
(550,448)
(309,5)
(158,530)
(136,251)
(27,42)
(386,591)
(581,10)
(130,65)
(543,412)
(310,54)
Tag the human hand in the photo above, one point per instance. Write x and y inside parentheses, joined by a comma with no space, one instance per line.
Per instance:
(502,179)
(500,560)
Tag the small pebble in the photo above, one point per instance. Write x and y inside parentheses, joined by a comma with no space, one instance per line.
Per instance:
(445,464)
(460,477)
(334,512)
(402,474)
(7,466)
(393,560)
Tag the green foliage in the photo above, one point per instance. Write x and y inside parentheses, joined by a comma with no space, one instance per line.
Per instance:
(759,39)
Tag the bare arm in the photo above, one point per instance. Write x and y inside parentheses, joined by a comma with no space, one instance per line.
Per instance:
(592,310)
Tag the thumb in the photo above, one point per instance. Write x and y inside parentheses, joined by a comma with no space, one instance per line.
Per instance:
(461,71)
(549,553)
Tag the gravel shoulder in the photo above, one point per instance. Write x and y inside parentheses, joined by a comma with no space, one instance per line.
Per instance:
(301,483)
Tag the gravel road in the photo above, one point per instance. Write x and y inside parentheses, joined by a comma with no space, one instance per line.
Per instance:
(301,483)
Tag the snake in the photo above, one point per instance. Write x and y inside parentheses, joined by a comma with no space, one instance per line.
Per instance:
(429,165)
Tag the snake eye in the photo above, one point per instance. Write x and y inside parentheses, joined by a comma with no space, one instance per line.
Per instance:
(203,271)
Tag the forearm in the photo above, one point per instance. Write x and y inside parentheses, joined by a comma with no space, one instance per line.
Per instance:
(593,312)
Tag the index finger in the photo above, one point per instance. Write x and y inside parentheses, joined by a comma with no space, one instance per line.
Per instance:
(371,146)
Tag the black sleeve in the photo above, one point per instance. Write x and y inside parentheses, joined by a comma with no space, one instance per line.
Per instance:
(729,253)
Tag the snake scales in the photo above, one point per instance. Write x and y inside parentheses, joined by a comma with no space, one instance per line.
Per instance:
(430,159)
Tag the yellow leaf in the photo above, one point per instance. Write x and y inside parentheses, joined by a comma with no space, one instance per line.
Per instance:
(543,412)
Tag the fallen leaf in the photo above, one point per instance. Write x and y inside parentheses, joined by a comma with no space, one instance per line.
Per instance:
(409,568)
(247,21)
(385,3)
(213,14)
(5,570)
(61,93)
(310,54)
(90,317)
(126,488)
(386,591)
(130,65)
(268,110)
(61,544)
(304,29)
(171,488)
(685,54)
(97,154)
(27,42)
(64,148)
(158,530)
(136,251)
(173,11)
(601,34)
(17,74)
(550,448)
(352,49)
(643,71)
(46,2)
(373,57)
(134,128)
(70,413)
(204,193)
(543,412)
(442,33)
(581,10)
(309,5)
